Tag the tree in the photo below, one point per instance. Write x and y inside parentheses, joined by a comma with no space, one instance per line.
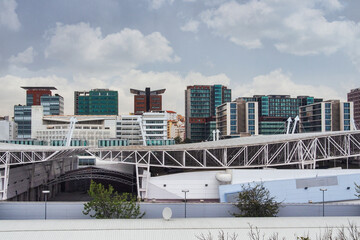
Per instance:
(177,140)
(255,201)
(107,203)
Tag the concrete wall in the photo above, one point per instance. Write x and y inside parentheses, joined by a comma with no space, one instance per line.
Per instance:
(73,210)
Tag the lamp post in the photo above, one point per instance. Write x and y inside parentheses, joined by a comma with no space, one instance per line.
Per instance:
(45,192)
(185,191)
(323,193)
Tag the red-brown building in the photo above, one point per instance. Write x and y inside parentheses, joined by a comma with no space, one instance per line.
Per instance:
(147,101)
(33,94)
(354,96)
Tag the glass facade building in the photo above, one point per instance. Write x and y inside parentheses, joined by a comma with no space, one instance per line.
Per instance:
(201,102)
(274,110)
(96,102)
(22,116)
(35,96)
(326,116)
(53,105)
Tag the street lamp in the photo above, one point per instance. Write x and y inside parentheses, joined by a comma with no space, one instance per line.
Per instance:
(323,193)
(185,191)
(45,192)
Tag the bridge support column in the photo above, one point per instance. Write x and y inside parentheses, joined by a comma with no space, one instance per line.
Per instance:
(4,177)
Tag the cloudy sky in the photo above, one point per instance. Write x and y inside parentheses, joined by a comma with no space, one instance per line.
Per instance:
(291,47)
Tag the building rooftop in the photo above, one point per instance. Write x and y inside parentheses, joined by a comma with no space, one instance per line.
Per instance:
(38,87)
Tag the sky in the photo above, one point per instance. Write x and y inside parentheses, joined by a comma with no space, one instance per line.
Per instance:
(268,47)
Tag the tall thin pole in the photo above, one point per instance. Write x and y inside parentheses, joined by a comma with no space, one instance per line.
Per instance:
(45,204)
(323,192)
(45,192)
(185,191)
(323,203)
(185,204)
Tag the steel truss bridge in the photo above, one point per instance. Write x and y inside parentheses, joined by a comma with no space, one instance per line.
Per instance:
(300,150)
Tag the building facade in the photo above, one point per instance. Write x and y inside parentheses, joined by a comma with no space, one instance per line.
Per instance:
(22,117)
(53,105)
(354,96)
(8,129)
(237,118)
(36,96)
(88,131)
(147,101)
(96,102)
(147,129)
(274,110)
(201,102)
(331,115)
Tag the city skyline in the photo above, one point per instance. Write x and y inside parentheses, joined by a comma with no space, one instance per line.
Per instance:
(253,47)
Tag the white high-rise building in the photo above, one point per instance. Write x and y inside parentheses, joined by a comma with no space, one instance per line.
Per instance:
(150,128)
(8,129)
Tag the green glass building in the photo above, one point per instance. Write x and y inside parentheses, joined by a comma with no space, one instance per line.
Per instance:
(274,110)
(96,102)
(200,109)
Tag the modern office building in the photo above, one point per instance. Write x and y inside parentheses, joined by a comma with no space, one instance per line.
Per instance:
(53,105)
(88,131)
(22,117)
(200,109)
(96,102)
(354,96)
(147,101)
(36,96)
(129,127)
(331,115)
(8,129)
(237,118)
(147,129)
(274,110)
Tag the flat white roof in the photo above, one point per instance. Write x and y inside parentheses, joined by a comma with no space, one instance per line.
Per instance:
(175,229)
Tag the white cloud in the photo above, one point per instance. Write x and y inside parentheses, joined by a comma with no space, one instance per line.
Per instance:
(292,26)
(278,82)
(24,57)
(8,16)
(85,49)
(156,4)
(191,26)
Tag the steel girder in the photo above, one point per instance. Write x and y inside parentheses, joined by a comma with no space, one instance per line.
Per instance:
(29,156)
(303,152)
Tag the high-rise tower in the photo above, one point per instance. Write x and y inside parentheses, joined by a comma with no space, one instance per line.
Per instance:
(200,109)
(147,101)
